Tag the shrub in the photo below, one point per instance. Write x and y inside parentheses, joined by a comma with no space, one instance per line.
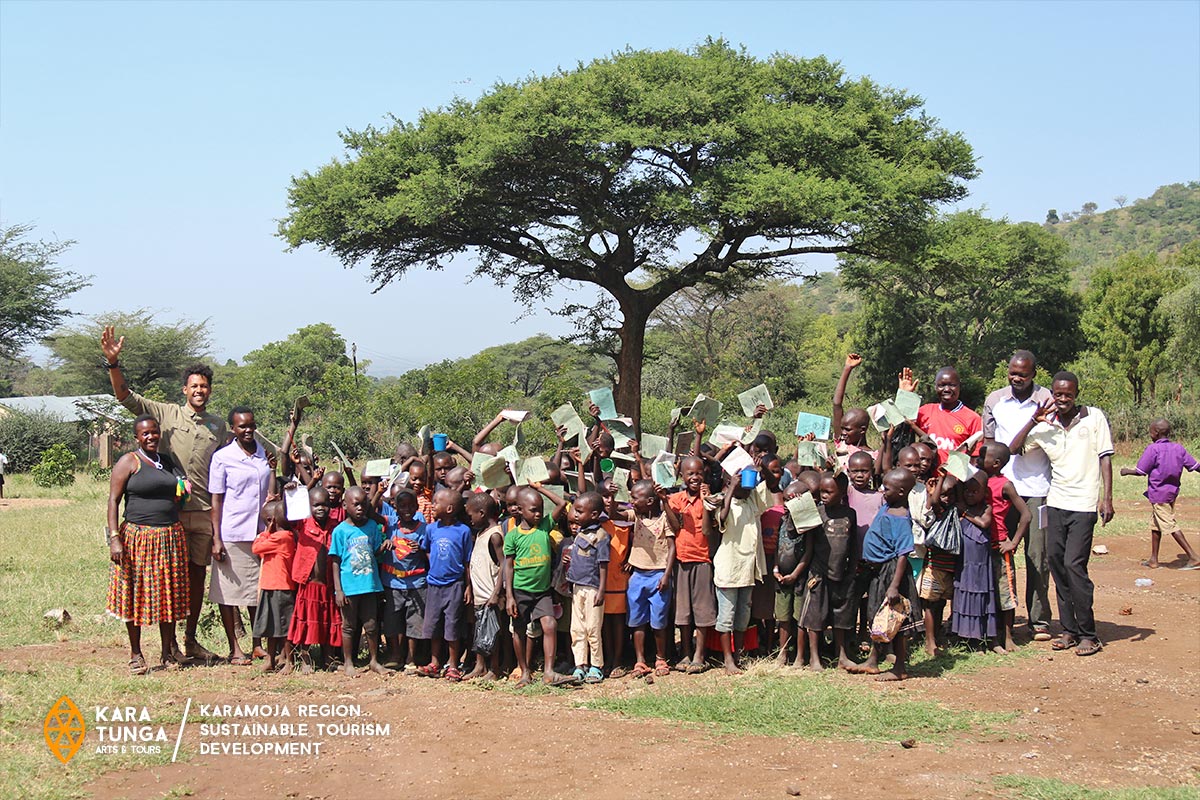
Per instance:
(25,436)
(57,467)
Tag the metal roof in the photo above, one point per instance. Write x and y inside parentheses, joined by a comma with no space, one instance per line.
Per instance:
(64,408)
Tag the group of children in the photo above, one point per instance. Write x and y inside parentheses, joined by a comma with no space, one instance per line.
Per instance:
(429,567)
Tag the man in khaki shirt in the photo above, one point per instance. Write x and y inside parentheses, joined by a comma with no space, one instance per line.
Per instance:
(191,435)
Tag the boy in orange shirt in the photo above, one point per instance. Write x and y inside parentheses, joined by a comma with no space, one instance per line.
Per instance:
(695,597)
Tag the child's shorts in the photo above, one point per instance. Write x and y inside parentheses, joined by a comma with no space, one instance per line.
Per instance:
(532,607)
(404,612)
(1162,518)
(733,608)
(786,603)
(1006,580)
(935,584)
(360,609)
(829,603)
(443,607)
(695,597)
(273,614)
(646,603)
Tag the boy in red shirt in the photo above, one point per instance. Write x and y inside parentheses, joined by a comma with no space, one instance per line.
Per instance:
(695,597)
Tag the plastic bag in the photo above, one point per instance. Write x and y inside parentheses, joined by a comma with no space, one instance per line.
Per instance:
(889,620)
(487,628)
(946,532)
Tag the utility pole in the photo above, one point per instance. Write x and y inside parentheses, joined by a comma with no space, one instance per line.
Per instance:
(354,356)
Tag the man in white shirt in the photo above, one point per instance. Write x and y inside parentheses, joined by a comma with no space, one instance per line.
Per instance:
(1005,412)
(1078,442)
(3,464)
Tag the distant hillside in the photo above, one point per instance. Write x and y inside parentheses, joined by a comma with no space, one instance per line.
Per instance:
(1163,222)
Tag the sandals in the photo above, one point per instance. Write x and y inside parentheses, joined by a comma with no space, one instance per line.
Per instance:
(594,675)
(618,672)
(661,667)
(579,674)
(241,661)
(430,671)
(453,674)
(137,666)
(1064,642)
(1088,647)
(640,670)
(696,669)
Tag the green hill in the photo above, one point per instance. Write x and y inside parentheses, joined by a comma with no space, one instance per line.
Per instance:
(1161,223)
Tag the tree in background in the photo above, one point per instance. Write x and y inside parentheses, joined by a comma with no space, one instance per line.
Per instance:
(972,293)
(1181,306)
(311,362)
(1125,320)
(32,289)
(153,359)
(607,174)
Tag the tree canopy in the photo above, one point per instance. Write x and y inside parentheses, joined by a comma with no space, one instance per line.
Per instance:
(154,356)
(32,289)
(642,174)
(976,290)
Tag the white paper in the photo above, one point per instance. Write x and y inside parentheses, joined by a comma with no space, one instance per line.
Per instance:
(736,461)
(514,415)
(803,511)
(295,501)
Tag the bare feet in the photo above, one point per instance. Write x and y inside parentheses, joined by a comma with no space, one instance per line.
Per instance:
(526,680)
(888,677)
(488,676)
(378,669)
(260,653)
(1000,651)
(286,669)
(268,666)
(862,669)
(731,668)
(1150,563)
(816,666)
(931,649)
(349,670)
(848,665)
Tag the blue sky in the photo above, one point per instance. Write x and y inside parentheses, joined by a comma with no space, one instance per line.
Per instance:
(162,136)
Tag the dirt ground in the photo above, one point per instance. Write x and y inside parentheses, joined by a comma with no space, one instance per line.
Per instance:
(1129,716)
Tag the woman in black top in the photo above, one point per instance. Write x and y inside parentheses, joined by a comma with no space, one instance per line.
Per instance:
(149,581)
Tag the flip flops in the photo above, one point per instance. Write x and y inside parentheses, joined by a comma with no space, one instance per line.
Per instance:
(1064,642)
(429,671)
(1088,647)
(1186,567)
(640,670)
(696,669)
(661,667)
(240,661)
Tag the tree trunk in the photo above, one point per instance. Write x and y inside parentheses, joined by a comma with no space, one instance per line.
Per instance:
(628,391)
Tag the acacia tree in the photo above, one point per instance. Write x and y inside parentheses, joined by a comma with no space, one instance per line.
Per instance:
(32,289)
(610,174)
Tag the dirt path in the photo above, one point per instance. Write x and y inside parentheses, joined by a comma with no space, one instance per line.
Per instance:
(1129,716)
(17,503)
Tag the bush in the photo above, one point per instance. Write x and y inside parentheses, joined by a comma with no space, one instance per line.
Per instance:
(57,467)
(98,473)
(24,437)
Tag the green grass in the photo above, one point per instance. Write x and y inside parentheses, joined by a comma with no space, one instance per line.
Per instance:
(1030,788)
(811,706)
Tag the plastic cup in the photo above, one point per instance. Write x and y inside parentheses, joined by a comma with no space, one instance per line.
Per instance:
(439,442)
(607,465)
(749,478)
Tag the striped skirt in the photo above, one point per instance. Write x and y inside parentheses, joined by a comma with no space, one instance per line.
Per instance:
(150,585)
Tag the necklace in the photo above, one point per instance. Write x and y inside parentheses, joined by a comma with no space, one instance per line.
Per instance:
(156,461)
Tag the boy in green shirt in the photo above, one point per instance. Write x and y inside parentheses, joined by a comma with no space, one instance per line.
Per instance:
(528,566)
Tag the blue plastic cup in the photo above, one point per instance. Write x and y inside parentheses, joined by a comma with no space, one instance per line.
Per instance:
(439,442)
(749,478)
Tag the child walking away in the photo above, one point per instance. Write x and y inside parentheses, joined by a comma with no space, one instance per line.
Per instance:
(316,618)
(404,570)
(1162,464)
(695,598)
(487,583)
(587,560)
(276,546)
(830,598)
(528,567)
(885,556)
(973,610)
(354,548)
(740,561)
(650,562)
(448,545)
(1007,509)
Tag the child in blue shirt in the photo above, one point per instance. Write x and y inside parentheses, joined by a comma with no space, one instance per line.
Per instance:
(448,543)
(403,569)
(885,550)
(354,548)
